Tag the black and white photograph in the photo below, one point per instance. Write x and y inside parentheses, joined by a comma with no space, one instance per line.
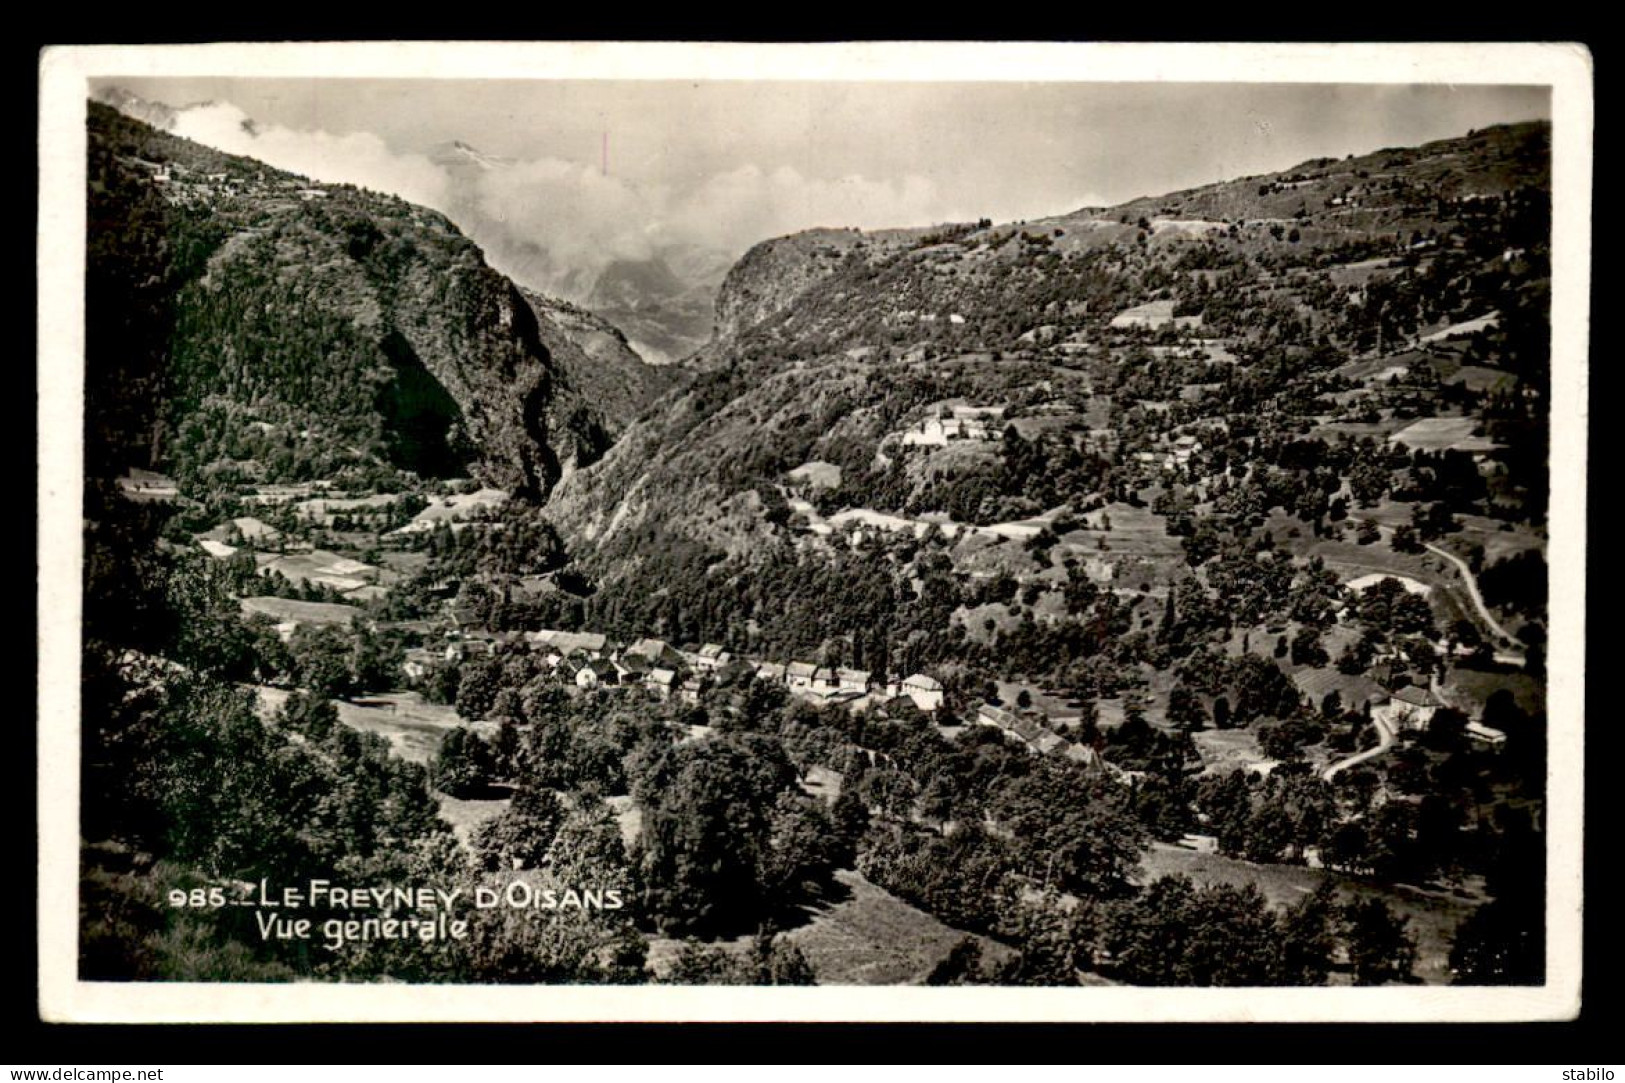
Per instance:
(832,532)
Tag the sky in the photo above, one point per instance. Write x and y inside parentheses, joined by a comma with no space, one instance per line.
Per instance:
(608,169)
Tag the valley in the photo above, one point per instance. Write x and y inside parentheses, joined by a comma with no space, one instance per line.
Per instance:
(1153,594)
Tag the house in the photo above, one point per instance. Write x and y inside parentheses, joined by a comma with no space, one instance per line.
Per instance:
(563,644)
(1030,732)
(852,680)
(656,652)
(1022,729)
(462,617)
(987,715)
(1048,742)
(1408,708)
(662,681)
(771,672)
(1489,735)
(712,657)
(595,673)
(734,670)
(799,676)
(690,689)
(926,692)
(631,669)
(1082,755)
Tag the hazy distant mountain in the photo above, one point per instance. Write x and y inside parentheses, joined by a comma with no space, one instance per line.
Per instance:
(599,364)
(457,155)
(664,302)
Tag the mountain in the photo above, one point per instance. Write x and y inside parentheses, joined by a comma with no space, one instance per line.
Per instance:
(598,363)
(664,299)
(243,322)
(459,157)
(993,378)
(666,303)
(1338,207)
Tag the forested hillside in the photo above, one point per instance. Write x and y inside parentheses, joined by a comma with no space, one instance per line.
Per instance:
(244,323)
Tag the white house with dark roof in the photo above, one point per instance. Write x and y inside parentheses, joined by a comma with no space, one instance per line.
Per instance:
(631,668)
(1408,708)
(595,673)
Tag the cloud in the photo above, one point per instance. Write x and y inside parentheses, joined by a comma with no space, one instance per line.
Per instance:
(554,224)
(358,158)
(746,205)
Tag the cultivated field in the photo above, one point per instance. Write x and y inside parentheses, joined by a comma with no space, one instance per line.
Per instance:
(291,609)
(1439,433)
(1134,532)
(1474,687)
(413,727)
(1224,751)
(874,938)
(321,566)
(465,816)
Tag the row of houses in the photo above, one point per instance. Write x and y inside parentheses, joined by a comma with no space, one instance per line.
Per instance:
(595,662)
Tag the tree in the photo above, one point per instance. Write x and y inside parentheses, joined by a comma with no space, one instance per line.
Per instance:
(322,656)
(519,837)
(1405,539)
(1185,708)
(1380,945)
(1306,648)
(1178,933)
(477,687)
(463,765)
(776,961)
(850,817)
(1309,937)
(375,659)
(710,809)
(961,966)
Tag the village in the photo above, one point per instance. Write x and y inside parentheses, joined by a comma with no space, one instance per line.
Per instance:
(1195,544)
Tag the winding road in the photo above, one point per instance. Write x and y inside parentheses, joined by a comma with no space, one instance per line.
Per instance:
(1471,581)
(1385,741)
(1508,657)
